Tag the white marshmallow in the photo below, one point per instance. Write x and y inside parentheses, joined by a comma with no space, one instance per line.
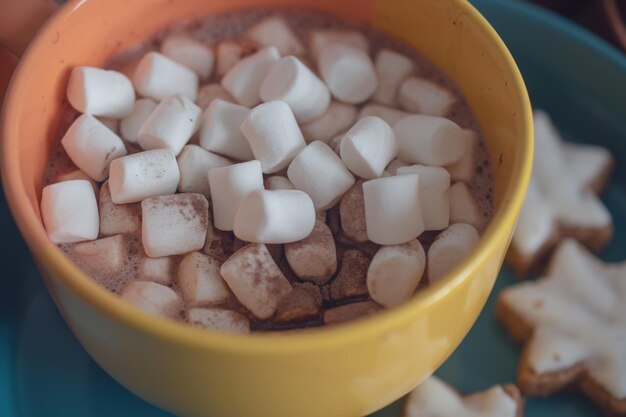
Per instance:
(229,53)
(153,298)
(337,118)
(430,140)
(158,270)
(314,258)
(255,279)
(103,256)
(219,319)
(190,53)
(229,185)
(170,125)
(395,272)
(220,131)
(368,147)
(142,175)
(174,224)
(394,165)
(112,124)
(78,174)
(435,195)
(194,164)
(130,125)
(273,134)
(277,182)
(393,210)
(463,169)
(158,77)
(100,92)
(279,216)
(418,95)
(348,72)
(92,146)
(200,281)
(320,39)
(463,207)
(116,218)
(209,92)
(243,81)
(449,248)
(388,114)
(335,142)
(274,31)
(392,69)
(69,211)
(294,83)
(319,172)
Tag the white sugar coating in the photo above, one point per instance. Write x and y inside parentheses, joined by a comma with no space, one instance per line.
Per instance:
(434,192)
(170,125)
(92,146)
(255,279)
(274,31)
(130,125)
(449,248)
(116,218)
(352,213)
(142,175)
(200,281)
(159,270)
(388,114)
(243,81)
(278,182)
(69,211)
(273,134)
(348,72)
(395,272)
(279,216)
(100,92)
(319,172)
(368,147)
(392,69)
(158,77)
(314,258)
(194,164)
(463,207)
(219,319)
(153,298)
(105,255)
(220,131)
(78,174)
(190,53)
(174,224)
(209,92)
(321,38)
(419,95)
(393,211)
(337,118)
(463,169)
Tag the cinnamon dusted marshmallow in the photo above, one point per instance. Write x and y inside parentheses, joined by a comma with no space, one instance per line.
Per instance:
(449,248)
(463,207)
(243,81)
(159,270)
(277,182)
(314,258)
(194,164)
(348,72)
(303,303)
(116,218)
(463,169)
(100,92)
(350,281)
(158,77)
(435,195)
(419,95)
(337,118)
(220,131)
(274,31)
(130,125)
(320,39)
(209,92)
(392,69)
(352,211)
(153,298)
(218,319)
(104,256)
(190,53)
(200,281)
(388,114)
(92,146)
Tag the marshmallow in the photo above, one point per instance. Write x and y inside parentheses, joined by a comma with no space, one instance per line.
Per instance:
(319,172)
(395,273)
(418,95)
(278,182)
(92,146)
(112,124)
(69,211)
(274,31)
(350,282)
(158,77)
(449,248)
(219,319)
(200,281)
(190,53)
(434,194)
(388,114)
(335,142)
(348,72)
(352,212)
(102,256)
(170,125)
(320,39)
(273,134)
(229,185)
(314,258)
(393,166)
(291,81)
(142,175)
(153,298)
(463,169)
(393,210)
(368,147)
(301,304)
(218,244)
(194,164)
(78,174)
(430,140)
(392,69)
(116,218)
(100,92)
(174,224)
(349,312)
(463,207)
(229,53)
(220,131)
(255,279)
(279,216)
(157,270)
(130,125)
(243,81)
(337,118)
(209,92)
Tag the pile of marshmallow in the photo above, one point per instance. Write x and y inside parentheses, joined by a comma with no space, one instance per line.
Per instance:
(276,144)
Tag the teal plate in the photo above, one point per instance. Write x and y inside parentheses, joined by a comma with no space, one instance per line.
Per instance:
(577,78)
